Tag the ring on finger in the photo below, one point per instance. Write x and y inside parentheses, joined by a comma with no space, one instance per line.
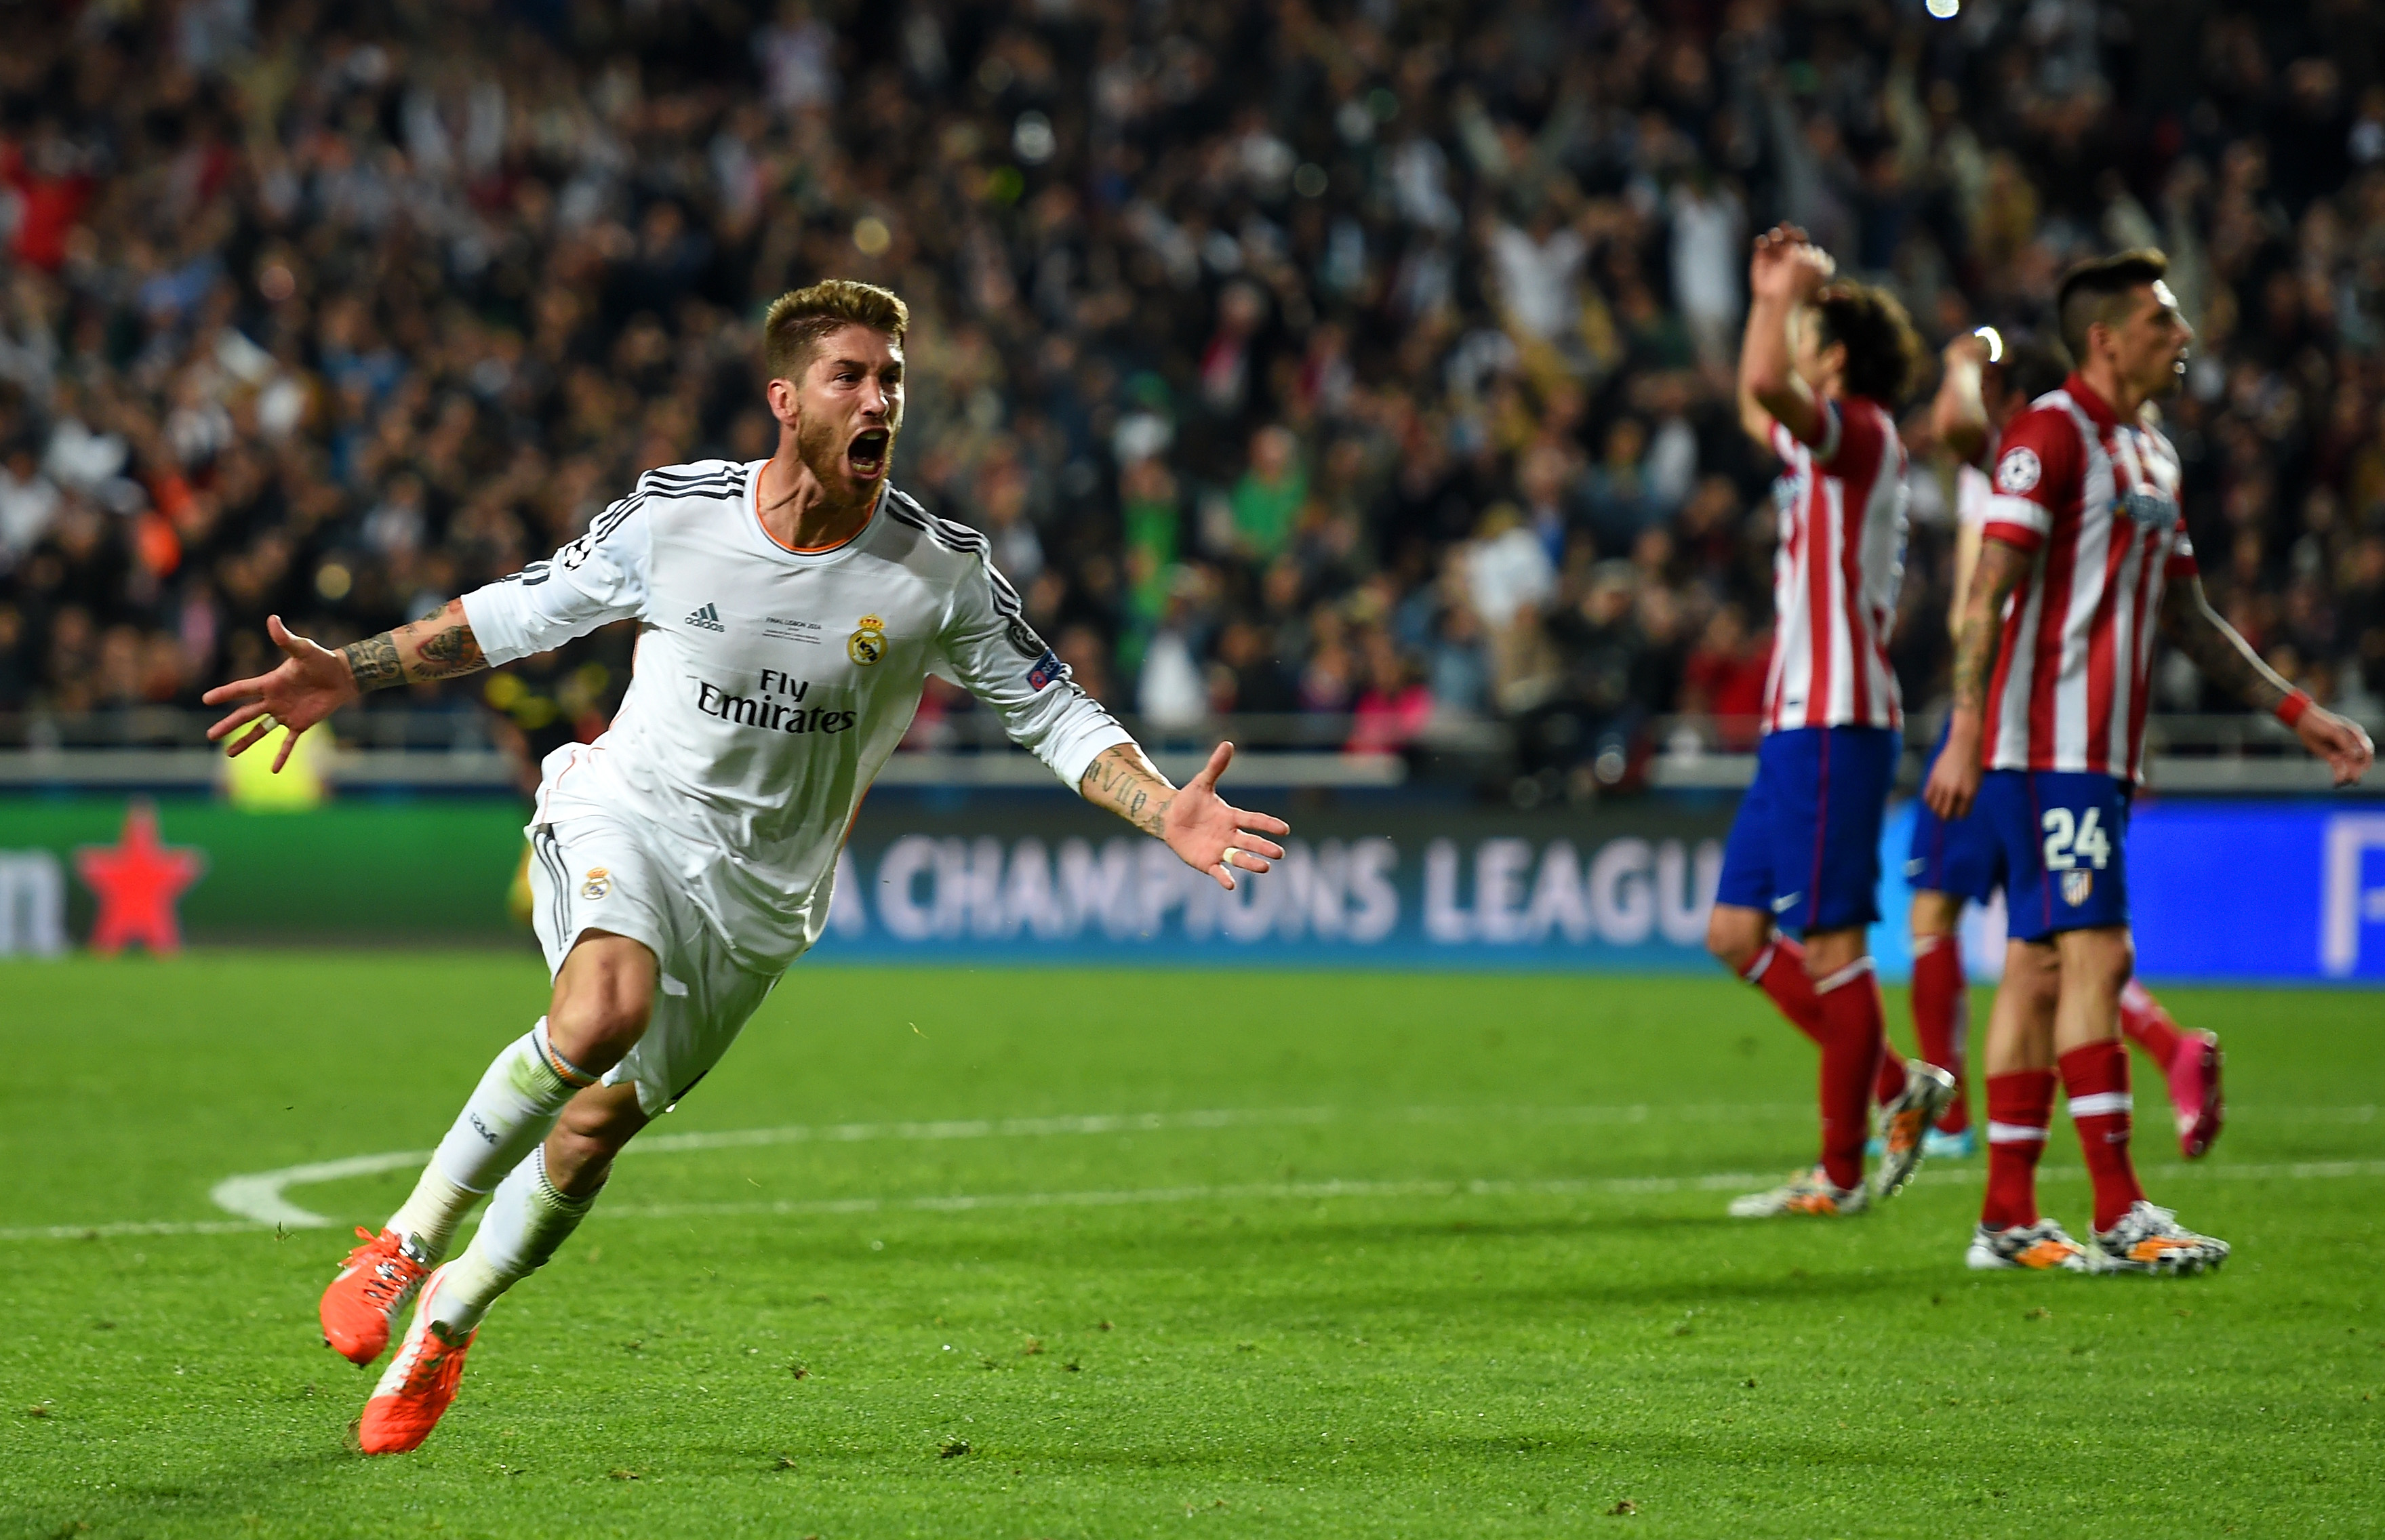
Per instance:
(1226,860)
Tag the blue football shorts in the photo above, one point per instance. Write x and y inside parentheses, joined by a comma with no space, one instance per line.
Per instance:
(2063,835)
(1961,857)
(1806,844)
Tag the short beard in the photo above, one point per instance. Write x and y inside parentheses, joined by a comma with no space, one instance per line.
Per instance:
(822,453)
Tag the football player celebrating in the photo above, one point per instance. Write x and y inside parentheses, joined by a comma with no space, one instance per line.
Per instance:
(1951,863)
(789,611)
(2083,554)
(1820,372)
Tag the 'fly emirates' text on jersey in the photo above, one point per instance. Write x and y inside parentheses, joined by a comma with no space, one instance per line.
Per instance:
(2095,499)
(770,685)
(1835,575)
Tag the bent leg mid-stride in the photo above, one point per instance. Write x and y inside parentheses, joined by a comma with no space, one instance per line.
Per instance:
(603,996)
(542,1200)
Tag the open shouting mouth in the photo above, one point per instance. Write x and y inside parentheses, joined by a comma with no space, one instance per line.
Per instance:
(866,454)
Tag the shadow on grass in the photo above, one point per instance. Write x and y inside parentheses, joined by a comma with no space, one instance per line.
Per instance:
(259,1485)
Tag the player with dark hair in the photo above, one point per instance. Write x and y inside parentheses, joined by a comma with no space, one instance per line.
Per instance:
(1951,863)
(2084,554)
(789,611)
(1821,372)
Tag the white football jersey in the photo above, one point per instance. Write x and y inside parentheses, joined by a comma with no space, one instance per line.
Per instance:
(770,685)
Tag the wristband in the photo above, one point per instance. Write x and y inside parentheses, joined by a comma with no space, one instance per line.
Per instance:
(2291,709)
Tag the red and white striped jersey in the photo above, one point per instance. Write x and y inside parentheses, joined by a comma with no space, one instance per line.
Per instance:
(1835,573)
(2096,500)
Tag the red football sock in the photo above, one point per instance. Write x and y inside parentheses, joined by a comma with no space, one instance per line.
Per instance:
(1888,1079)
(1941,1018)
(2020,1108)
(1854,1034)
(2096,1080)
(2145,1024)
(1780,971)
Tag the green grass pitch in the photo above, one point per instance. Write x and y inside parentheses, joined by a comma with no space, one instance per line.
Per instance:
(1441,1263)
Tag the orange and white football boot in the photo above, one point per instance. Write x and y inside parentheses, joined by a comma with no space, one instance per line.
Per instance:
(1806,1192)
(363,1302)
(2147,1238)
(2039,1248)
(419,1385)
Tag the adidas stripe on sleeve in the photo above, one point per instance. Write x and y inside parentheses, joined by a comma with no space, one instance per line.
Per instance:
(597,579)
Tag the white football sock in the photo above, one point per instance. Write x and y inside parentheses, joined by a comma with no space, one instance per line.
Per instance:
(426,1219)
(527,1219)
(510,1112)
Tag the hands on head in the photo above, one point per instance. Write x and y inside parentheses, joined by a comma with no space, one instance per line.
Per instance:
(311,683)
(1212,836)
(1787,267)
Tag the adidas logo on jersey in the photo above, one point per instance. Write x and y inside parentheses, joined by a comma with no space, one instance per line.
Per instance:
(706,619)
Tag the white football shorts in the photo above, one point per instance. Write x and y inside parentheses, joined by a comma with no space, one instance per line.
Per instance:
(591,872)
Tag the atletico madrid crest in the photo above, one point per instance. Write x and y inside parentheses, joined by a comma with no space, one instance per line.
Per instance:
(2076,885)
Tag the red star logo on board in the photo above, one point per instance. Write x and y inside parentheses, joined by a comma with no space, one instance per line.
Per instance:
(138,882)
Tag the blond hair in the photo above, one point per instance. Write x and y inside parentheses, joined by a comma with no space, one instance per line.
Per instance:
(800,320)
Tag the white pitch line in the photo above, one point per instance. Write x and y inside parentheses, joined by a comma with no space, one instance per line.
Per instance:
(260,1196)
(2296,1171)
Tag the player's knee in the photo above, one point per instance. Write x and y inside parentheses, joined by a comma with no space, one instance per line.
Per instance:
(1935,914)
(597,1024)
(2113,962)
(592,1128)
(597,1017)
(2032,973)
(1734,937)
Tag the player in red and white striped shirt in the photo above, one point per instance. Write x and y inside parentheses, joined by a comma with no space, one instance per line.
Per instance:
(2084,556)
(1822,368)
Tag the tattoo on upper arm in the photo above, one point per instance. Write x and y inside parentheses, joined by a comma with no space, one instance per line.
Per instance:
(2223,655)
(374,662)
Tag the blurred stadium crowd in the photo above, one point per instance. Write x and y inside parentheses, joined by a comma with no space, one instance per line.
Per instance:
(1342,357)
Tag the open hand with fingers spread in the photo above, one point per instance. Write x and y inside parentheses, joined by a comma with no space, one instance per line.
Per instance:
(1212,835)
(311,683)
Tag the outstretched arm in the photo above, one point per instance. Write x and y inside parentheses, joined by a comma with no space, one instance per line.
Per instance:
(1198,825)
(1955,779)
(2228,661)
(314,681)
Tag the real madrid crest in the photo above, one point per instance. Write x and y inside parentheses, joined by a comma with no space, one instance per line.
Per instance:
(868,643)
(599,883)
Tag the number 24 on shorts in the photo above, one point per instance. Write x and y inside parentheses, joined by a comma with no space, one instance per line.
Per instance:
(2071,842)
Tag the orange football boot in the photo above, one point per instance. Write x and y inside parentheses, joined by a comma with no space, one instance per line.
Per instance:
(1806,1192)
(417,1388)
(373,1284)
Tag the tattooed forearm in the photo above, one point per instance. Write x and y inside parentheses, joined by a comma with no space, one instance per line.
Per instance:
(2224,658)
(1126,783)
(436,647)
(374,662)
(2000,570)
(451,651)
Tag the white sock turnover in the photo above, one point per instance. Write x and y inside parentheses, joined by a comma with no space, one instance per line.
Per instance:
(510,1112)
